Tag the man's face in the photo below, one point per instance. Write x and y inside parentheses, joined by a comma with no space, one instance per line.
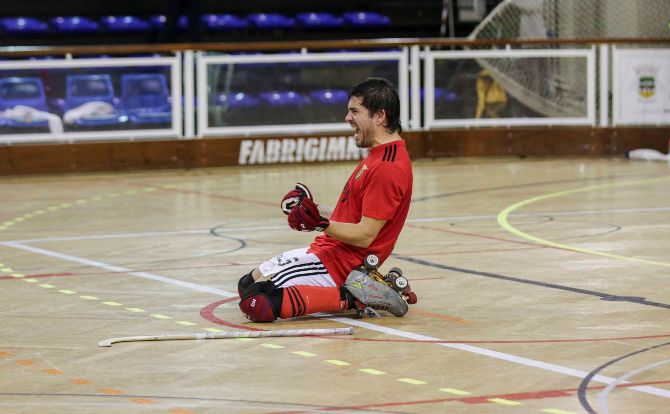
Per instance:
(359,118)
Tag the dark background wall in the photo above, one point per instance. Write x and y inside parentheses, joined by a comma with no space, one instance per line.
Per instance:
(409,18)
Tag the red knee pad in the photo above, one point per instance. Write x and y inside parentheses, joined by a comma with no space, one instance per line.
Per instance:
(258,308)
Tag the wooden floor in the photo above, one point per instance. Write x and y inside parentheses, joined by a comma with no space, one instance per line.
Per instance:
(543,288)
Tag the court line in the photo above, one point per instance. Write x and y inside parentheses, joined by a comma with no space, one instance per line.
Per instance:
(601,295)
(502,356)
(207,313)
(504,222)
(36,276)
(114,236)
(584,385)
(283,227)
(524,185)
(119,269)
(389,331)
(482,399)
(602,400)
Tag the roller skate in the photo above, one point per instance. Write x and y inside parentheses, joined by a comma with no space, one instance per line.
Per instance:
(374,291)
(394,278)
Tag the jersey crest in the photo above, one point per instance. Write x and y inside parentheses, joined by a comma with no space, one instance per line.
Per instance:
(361,171)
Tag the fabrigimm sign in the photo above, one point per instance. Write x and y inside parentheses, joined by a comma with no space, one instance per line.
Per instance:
(296,150)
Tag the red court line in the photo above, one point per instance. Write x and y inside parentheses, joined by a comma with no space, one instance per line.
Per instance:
(442,316)
(239,199)
(516,249)
(482,236)
(521,341)
(36,276)
(538,395)
(156,269)
(480,399)
(208,313)
(181,190)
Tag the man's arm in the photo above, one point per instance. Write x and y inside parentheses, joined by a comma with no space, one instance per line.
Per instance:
(360,234)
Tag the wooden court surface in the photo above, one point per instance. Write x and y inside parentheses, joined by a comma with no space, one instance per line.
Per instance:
(542,285)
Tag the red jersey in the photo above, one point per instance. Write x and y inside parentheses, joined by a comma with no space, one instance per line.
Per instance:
(380,188)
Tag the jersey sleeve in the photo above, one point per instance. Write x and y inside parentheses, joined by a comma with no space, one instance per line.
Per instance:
(383,192)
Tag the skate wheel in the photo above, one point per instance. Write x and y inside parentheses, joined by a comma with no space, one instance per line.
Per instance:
(396,271)
(400,283)
(371,262)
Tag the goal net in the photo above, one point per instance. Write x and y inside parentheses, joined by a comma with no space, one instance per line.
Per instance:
(555,87)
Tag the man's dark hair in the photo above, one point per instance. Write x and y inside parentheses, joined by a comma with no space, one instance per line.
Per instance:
(377,94)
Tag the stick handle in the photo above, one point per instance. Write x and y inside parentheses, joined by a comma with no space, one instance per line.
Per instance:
(225,335)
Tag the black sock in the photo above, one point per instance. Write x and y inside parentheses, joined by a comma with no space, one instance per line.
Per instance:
(347,296)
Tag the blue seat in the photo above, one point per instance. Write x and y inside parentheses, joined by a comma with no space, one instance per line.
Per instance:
(125,24)
(23,25)
(146,98)
(284,99)
(330,96)
(441,95)
(83,89)
(219,22)
(26,91)
(74,24)
(366,19)
(159,20)
(271,21)
(319,20)
(234,100)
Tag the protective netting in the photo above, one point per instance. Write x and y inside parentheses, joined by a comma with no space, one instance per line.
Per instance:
(576,19)
(555,87)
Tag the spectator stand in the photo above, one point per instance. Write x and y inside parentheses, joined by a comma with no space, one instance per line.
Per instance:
(299,96)
(95,87)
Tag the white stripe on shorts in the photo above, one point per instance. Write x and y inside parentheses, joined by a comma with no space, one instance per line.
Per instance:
(296,267)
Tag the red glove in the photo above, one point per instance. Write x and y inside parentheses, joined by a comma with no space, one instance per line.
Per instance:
(293,197)
(305,217)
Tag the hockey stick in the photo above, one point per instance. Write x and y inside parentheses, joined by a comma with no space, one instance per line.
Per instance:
(224,335)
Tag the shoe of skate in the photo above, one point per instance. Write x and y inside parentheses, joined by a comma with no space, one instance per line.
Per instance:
(375,294)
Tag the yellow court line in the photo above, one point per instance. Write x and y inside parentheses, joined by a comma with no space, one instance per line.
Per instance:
(336,362)
(454,391)
(213,330)
(504,222)
(412,381)
(273,346)
(503,401)
(304,353)
(372,371)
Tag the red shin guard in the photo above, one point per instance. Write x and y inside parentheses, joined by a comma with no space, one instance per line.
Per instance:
(303,300)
